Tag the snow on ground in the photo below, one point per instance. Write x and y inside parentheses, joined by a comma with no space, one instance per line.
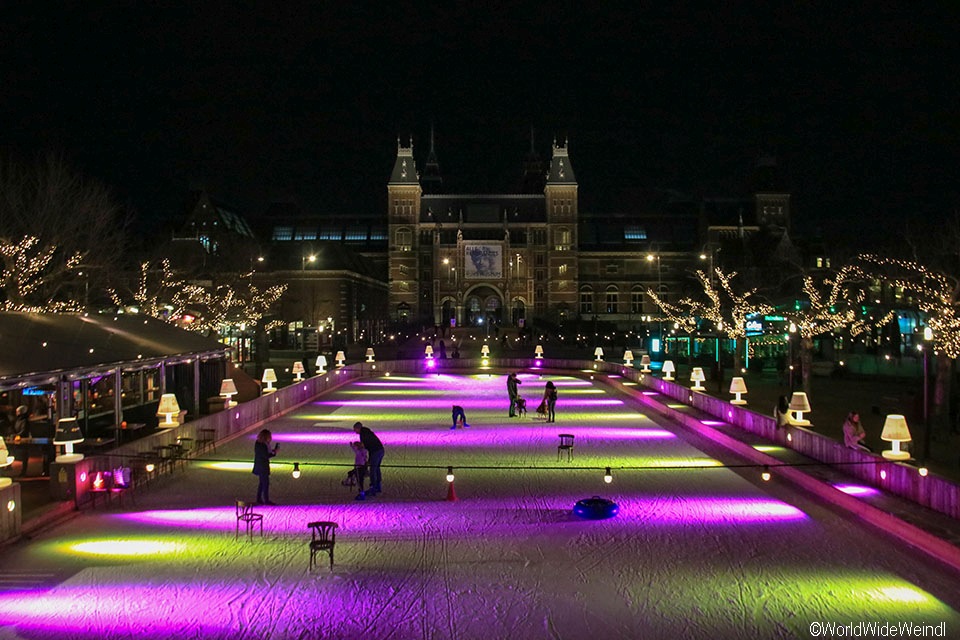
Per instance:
(698,550)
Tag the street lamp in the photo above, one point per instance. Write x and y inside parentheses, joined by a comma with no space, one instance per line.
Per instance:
(305,259)
(650,258)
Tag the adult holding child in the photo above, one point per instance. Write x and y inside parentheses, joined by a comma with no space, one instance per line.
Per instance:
(375,452)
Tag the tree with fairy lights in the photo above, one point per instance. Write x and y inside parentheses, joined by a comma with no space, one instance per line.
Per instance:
(937,295)
(725,306)
(59,234)
(834,304)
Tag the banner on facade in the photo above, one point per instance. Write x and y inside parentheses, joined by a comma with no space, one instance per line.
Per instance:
(483,261)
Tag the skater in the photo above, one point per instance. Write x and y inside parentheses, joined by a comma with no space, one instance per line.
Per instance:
(459,414)
(359,471)
(375,451)
(261,464)
(513,392)
(550,398)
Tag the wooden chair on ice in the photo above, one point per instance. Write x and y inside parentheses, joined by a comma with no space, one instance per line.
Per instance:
(323,536)
(566,444)
(246,515)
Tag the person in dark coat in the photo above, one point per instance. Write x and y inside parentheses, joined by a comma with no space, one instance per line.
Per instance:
(261,464)
(513,392)
(21,429)
(550,398)
(375,449)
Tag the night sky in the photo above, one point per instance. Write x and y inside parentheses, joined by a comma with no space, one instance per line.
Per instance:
(305,102)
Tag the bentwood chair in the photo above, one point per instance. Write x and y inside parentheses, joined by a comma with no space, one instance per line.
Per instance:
(323,536)
(250,519)
(566,444)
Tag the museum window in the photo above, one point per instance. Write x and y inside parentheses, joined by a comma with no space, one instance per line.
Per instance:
(612,299)
(586,301)
(404,239)
(636,301)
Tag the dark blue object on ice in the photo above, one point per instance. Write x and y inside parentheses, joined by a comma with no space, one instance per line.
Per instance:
(596,508)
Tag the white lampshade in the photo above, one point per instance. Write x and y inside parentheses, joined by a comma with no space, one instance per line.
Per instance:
(269,377)
(340,358)
(696,377)
(800,404)
(369,354)
(538,352)
(228,389)
(668,369)
(628,358)
(428,351)
(485,351)
(298,367)
(645,363)
(321,363)
(168,407)
(895,430)
(598,352)
(738,387)
(5,461)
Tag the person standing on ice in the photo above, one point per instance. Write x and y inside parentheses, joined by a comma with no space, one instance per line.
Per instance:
(513,392)
(375,450)
(458,413)
(261,464)
(550,398)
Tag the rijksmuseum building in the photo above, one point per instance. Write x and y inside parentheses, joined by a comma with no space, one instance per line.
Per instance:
(517,258)
(530,256)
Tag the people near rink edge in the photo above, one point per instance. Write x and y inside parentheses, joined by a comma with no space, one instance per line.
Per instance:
(781,412)
(261,464)
(550,398)
(853,432)
(375,450)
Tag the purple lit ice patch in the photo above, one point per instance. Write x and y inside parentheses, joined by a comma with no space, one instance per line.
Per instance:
(712,423)
(712,510)
(857,490)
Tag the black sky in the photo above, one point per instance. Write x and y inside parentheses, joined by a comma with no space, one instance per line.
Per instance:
(289,101)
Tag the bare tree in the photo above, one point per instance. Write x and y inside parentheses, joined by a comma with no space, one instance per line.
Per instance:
(60,236)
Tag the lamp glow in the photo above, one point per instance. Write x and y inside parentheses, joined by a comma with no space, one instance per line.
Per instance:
(269,377)
(895,430)
(321,364)
(450,476)
(696,377)
(668,369)
(341,359)
(298,370)
(738,387)
(167,408)
(766,474)
(538,352)
(5,461)
(369,354)
(485,351)
(598,352)
(645,363)
(68,434)
(296,470)
(800,404)
(228,389)
(608,476)
(428,351)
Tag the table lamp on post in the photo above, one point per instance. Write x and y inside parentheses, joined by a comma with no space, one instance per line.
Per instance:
(668,369)
(738,387)
(341,359)
(68,434)
(369,354)
(696,377)
(645,364)
(598,353)
(628,358)
(168,407)
(321,364)
(5,461)
(298,370)
(228,389)
(269,377)
(895,430)
(538,352)
(800,404)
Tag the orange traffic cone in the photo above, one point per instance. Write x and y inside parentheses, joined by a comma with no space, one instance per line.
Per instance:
(451,493)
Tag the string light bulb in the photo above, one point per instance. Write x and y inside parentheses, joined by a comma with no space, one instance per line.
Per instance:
(608,476)
(450,476)
(766,473)
(296,470)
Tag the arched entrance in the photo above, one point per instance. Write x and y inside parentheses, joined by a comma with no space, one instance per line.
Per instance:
(483,307)
(518,313)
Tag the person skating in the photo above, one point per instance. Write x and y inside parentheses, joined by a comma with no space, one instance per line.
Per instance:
(375,451)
